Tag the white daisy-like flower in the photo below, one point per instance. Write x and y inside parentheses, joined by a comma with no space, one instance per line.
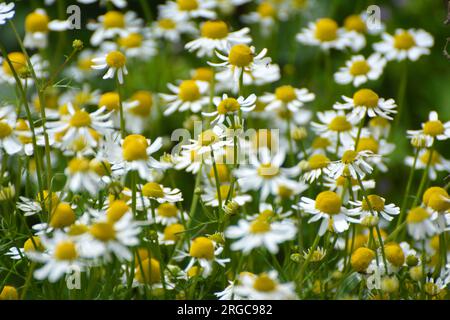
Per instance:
(62,255)
(31,244)
(288,96)
(6,12)
(28,206)
(230,106)
(353,163)
(377,207)
(214,139)
(203,252)
(419,223)
(113,24)
(171,234)
(137,45)
(336,126)
(260,233)
(22,69)
(314,167)
(188,9)
(171,29)
(137,111)
(405,44)
(436,160)
(211,196)
(167,213)
(9,140)
(338,185)
(433,128)
(190,161)
(37,27)
(377,146)
(241,58)
(215,36)
(188,95)
(115,61)
(327,207)
(78,123)
(81,176)
(264,286)
(359,70)
(266,15)
(264,173)
(157,192)
(367,102)
(324,33)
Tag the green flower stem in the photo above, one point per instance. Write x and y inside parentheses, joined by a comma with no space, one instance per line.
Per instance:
(122,119)
(424,177)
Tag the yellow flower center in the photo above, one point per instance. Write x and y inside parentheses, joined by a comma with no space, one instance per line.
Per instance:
(167,210)
(9,293)
(361,259)
(173,232)
(266,214)
(36,22)
(134,147)
(116,59)
(103,231)
(366,98)
(433,128)
(349,156)
(394,254)
(80,119)
(264,283)
(285,93)
(379,122)
(102,168)
(266,10)
(133,40)
(77,229)
(167,24)
(145,100)
(202,248)
(207,138)
(417,214)
(340,124)
(85,64)
(240,55)
(5,130)
(19,63)
(148,271)
(189,91)
(224,190)
(355,23)
(328,202)
(318,161)
(66,250)
(376,202)
(404,41)
(203,74)
(113,19)
(259,226)
(63,216)
(439,202)
(326,29)
(116,210)
(78,165)
(228,105)
(110,100)
(153,190)
(320,143)
(222,172)
(214,30)
(53,198)
(187,5)
(368,144)
(268,171)
(34,244)
(359,68)
(435,158)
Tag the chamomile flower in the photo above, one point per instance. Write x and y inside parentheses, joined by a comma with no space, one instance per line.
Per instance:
(61,256)
(241,58)
(314,167)
(292,98)
(353,164)
(188,95)
(188,9)
(436,160)
(264,286)
(405,44)
(31,244)
(260,233)
(113,24)
(266,14)
(157,192)
(436,199)
(203,252)
(171,29)
(9,141)
(137,111)
(137,45)
(327,207)
(433,128)
(21,68)
(377,207)
(359,70)
(367,102)
(171,234)
(115,61)
(419,223)
(342,183)
(82,177)
(37,27)
(167,213)
(190,161)
(82,66)
(80,123)
(377,146)
(227,106)
(211,196)
(210,140)
(336,126)
(264,173)
(215,36)
(324,33)
(6,12)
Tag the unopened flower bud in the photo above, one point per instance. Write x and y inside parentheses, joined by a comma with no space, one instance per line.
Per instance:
(412,260)
(77,44)
(299,133)
(231,208)
(296,257)
(390,284)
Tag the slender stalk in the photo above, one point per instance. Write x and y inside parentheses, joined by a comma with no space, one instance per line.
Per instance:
(424,177)
(122,118)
